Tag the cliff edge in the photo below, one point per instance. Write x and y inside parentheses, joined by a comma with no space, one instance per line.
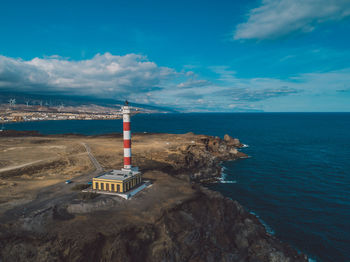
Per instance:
(175,219)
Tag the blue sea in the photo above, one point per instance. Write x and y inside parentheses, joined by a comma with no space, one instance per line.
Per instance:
(297,179)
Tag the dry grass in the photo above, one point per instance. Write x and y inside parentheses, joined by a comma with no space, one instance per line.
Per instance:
(28,164)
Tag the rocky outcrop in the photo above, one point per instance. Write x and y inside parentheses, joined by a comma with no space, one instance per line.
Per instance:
(206,227)
(179,220)
(232,141)
(227,232)
(200,161)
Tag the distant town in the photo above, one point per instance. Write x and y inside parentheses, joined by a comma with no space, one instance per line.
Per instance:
(12,112)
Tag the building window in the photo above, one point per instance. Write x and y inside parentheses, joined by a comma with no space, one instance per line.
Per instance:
(102,186)
(118,188)
(112,187)
(96,185)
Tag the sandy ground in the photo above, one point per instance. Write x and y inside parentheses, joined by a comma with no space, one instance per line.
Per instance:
(29,164)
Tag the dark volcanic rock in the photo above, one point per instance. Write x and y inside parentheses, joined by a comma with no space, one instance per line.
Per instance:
(206,227)
(17,133)
(184,222)
(232,141)
(210,227)
(201,160)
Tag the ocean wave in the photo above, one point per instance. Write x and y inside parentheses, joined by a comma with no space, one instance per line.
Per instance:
(223,176)
(246,157)
(266,226)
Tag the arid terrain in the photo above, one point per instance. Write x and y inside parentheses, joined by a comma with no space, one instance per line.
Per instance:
(28,164)
(174,219)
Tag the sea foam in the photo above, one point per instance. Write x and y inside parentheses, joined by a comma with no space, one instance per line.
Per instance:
(267,227)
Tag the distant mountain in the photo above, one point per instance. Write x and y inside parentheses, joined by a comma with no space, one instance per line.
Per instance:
(56,100)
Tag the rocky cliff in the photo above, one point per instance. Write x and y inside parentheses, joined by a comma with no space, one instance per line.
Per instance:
(176,219)
(199,160)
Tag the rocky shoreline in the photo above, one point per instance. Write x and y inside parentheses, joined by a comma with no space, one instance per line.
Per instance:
(177,219)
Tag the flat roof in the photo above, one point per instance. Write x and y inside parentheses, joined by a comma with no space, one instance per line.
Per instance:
(120,175)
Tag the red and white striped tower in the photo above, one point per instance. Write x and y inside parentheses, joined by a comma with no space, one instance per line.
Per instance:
(127,136)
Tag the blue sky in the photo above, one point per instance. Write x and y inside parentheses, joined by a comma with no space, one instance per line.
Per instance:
(194,56)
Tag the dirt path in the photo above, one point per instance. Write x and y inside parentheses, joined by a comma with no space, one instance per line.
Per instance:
(88,151)
(9,168)
(52,195)
(92,158)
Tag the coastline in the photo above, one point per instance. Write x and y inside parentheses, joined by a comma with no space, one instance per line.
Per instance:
(242,235)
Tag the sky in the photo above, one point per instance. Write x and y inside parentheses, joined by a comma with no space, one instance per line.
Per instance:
(193,56)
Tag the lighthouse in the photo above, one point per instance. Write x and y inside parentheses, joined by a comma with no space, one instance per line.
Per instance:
(127,136)
(127,179)
(127,139)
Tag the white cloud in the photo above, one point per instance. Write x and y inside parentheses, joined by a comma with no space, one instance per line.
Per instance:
(193,83)
(232,93)
(276,18)
(139,80)
(104,75)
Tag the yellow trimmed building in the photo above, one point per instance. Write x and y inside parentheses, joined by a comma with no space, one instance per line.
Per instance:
(119,181)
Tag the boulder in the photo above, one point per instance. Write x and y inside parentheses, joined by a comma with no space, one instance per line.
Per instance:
(231,141)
